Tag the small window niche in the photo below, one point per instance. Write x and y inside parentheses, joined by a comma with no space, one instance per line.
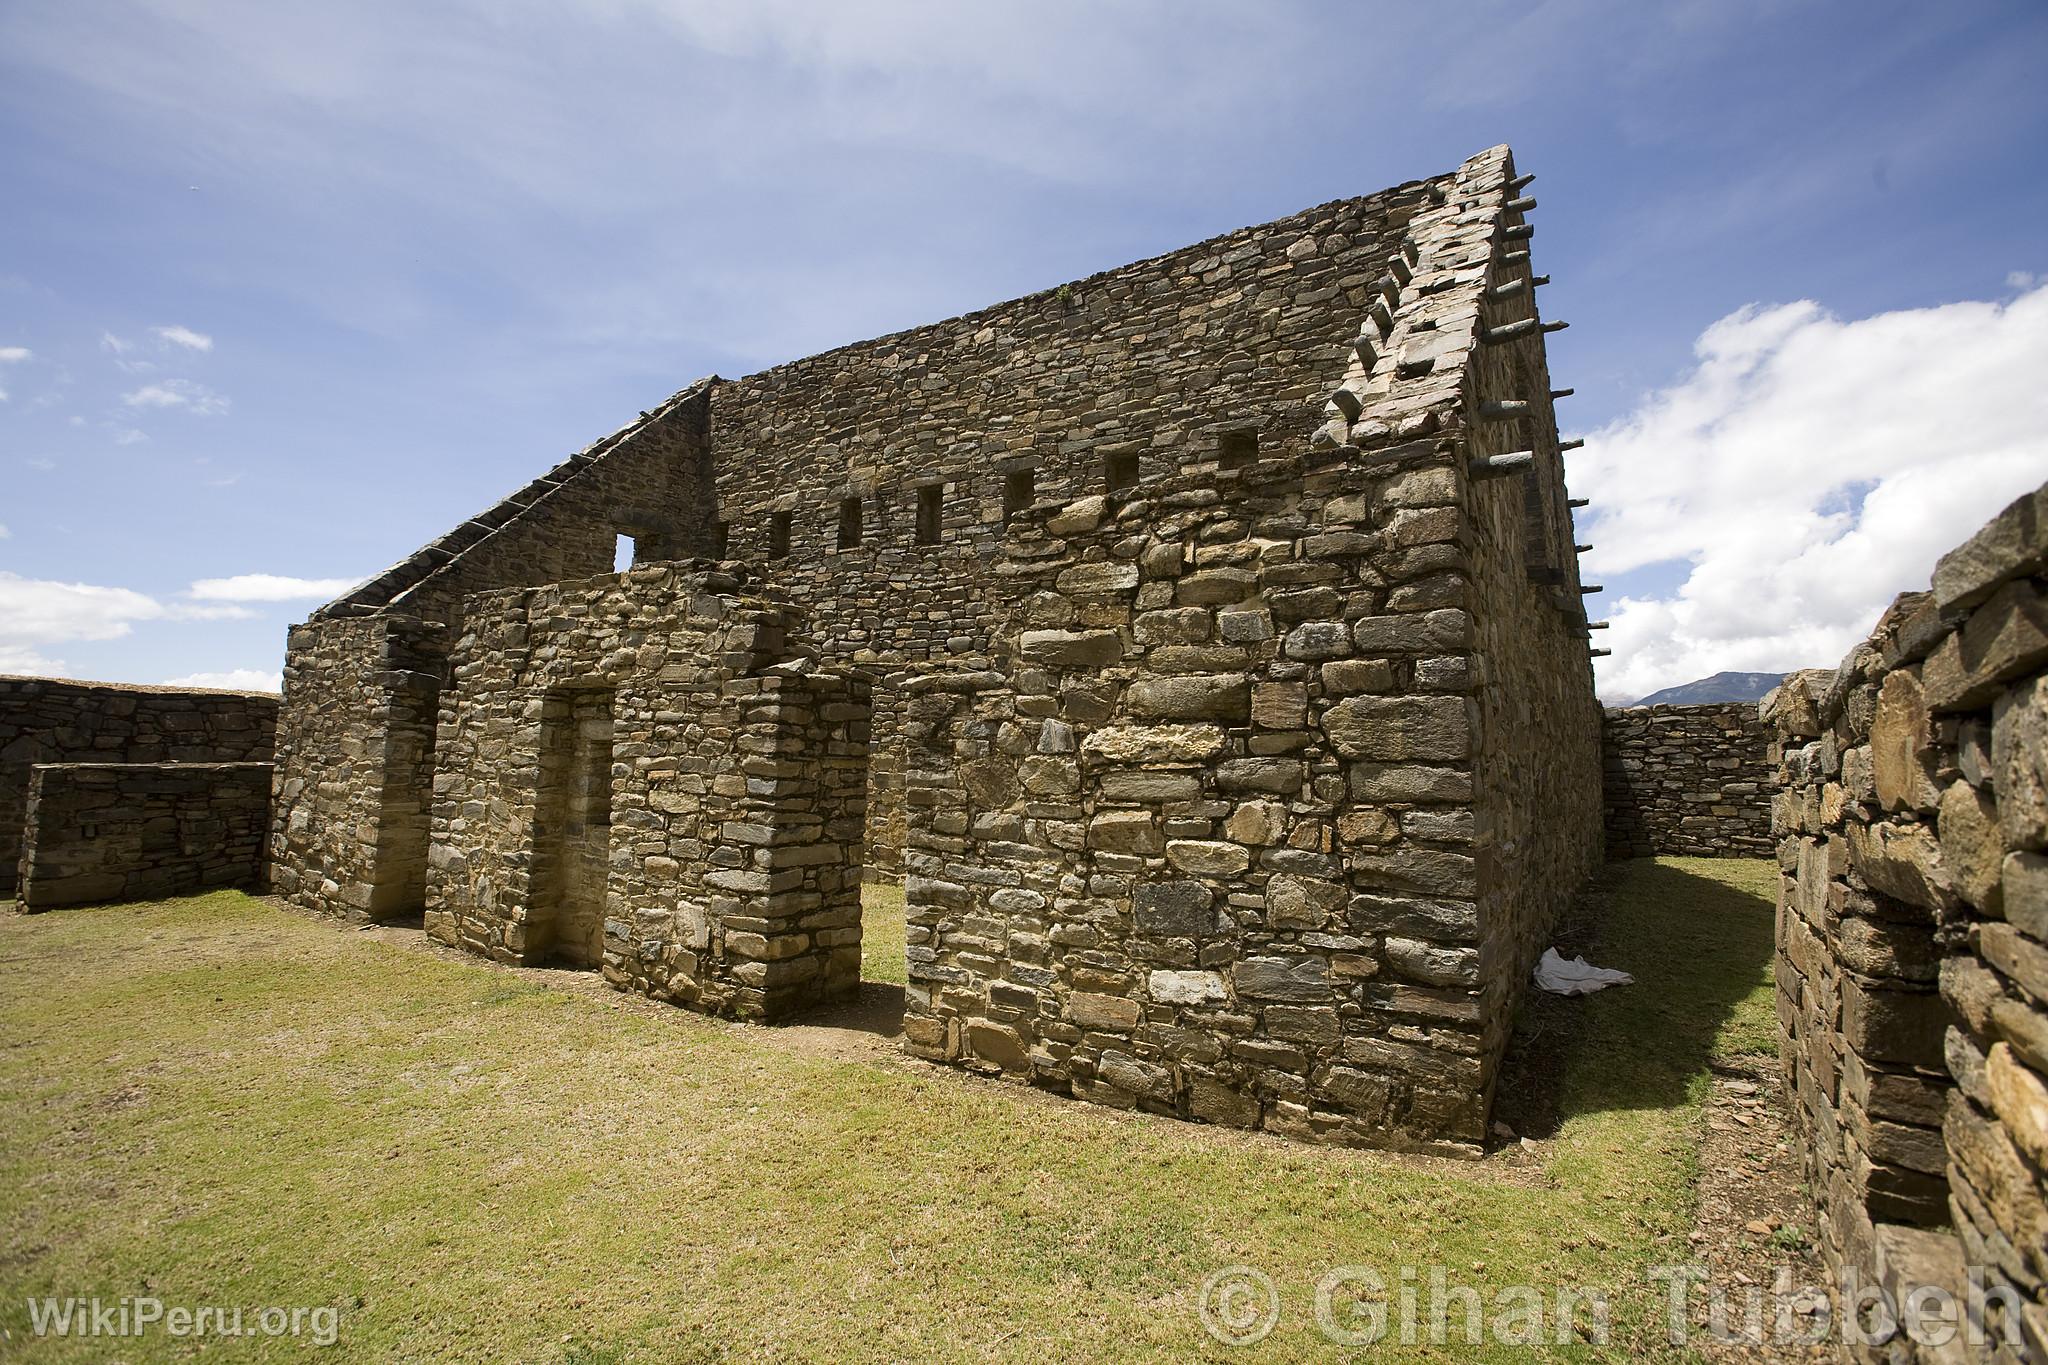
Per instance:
(1020,490)
(1120,471)
(849,523)
(1236,449)
(931,511)
(719,541)
(778,534)
(623,550)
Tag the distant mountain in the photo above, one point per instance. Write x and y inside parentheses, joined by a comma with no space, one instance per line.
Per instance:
(1720,687)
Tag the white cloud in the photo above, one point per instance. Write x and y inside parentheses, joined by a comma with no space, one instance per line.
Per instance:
(178,393)
(38,463)
(114,345)
(1807,471)
(35,613)
(175,335)
(2022,279)
(129,436)
(238,679)
(14,355)
(3,395)
(270,587)
(4,532)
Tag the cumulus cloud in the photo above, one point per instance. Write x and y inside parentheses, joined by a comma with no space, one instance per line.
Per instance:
(4,532)
(175,335)
(36,613)
(14,355)
(181,394)
(238,679)
(114,345)
(1804,473)
(270,587)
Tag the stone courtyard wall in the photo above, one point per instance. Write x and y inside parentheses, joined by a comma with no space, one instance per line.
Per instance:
(1913,926)
(57,720)
(138,831)
(727,834)
(1689,780)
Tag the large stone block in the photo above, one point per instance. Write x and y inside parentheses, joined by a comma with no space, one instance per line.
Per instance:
(1399,729)
(1222,697)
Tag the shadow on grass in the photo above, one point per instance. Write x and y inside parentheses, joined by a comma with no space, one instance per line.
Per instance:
(1697,935)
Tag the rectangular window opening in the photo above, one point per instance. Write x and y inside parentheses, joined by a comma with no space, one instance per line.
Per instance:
(1020,490)
(931,507)
(1236,449)
(849,523)
(623,551)
(721,539)
(778,534)
(1120,471)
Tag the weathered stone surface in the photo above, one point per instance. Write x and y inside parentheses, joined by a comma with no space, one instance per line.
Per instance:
(1072,648)
(1900,741)
(1223,697)
(1174,909)
(1155,743)
(1188,988)
(1134,832)
(1692,780)
(2012,543)
(1280,978)
(1397,729)
(1207,857)
(1303,902)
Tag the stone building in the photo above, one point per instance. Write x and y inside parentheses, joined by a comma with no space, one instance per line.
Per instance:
(1202,640)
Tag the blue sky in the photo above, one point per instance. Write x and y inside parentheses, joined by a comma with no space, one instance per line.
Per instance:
(288,289)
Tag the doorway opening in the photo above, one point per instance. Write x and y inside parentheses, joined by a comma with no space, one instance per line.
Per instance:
(572,829)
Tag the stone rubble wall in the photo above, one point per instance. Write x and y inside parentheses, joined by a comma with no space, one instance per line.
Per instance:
(141,831)
(1693,780)
(1275,776)
(57,720)
(354,764)
(1913,923)
(737,789)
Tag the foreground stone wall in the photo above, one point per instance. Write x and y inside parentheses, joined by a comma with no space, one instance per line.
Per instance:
(57,720)
(1913,923)
(1690,780)
(651,726)
(136,831)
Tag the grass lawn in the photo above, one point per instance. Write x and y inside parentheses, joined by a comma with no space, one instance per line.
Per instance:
(215,1101)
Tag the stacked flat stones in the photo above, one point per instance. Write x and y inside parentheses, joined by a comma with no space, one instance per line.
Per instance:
(1695,781)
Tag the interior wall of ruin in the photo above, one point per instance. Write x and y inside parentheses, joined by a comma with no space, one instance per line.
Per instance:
(727,877)
(1695,781)
(99,832)
(1913,924)
(57,720)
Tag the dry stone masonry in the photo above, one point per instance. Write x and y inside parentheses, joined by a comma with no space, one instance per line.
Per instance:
(139,831)
(1204,639)
(1689,780)
(57,720)
(1913,928)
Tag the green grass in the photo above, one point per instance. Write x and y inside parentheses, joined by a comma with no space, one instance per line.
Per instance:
(215,1101)
(881,934)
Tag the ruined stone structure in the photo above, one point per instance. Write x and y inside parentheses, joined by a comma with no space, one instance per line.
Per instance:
(1204,639)
(139,831)
(1689,780)
(1913,929)
(58,720)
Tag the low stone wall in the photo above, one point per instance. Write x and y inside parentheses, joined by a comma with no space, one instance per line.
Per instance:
(58,720)
(1690,780)
(136,831)
(1913,927)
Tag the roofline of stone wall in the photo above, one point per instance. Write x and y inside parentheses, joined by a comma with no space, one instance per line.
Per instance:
(145,689)
(388,589)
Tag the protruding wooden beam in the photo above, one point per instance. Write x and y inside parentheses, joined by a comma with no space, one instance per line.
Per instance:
(1503,410)
(1578,502)
(1556,394)
(1346,402)
(1514,331)
(1514,258)
(1496,466)
(1572,444)
(1399,268)
(1508,290)
(1598,653)
(1590,588)
(1580,549)
(1521,205)
(1520,232)
(1596,625)
(1366,347)
(1522,182)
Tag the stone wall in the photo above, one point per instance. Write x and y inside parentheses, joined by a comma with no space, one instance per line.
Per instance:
(1689,780)
(139,831)
(633,773)
(56,720)
(1261,811)
(1913,923)
(355,747)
